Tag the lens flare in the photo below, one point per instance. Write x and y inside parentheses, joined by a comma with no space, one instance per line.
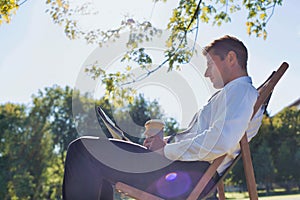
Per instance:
(171,176)
(174,184)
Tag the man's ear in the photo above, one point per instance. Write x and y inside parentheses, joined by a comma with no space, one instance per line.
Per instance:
(231,57)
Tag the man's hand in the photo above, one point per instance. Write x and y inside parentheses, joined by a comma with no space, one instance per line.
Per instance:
(155,143)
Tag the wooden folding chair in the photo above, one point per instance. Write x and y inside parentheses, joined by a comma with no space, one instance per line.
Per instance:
(265,91)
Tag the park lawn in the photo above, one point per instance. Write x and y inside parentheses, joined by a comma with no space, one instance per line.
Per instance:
(288,197)
(244,196)
(235,195)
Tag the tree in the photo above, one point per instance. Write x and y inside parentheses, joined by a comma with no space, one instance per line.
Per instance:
(8,8)
(184,21)
(42,133)
(38,148)
(70,115)
(275,151)
(33,145)
(24,137)
(263,166)
(216,12)
(286,159)
(12,117)
(58,103)
(171,126)
(34,139)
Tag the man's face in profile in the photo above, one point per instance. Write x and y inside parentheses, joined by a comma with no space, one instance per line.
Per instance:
(215,70)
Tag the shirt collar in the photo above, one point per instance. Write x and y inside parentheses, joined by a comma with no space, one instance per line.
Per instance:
(243,79)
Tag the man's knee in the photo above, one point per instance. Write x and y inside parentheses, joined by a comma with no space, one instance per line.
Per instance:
(78,144)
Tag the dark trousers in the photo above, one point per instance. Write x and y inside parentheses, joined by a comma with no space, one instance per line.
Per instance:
(93,165)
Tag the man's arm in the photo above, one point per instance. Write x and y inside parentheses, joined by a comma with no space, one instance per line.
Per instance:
(228,125)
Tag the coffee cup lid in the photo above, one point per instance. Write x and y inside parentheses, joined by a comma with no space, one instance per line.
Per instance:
(155,123)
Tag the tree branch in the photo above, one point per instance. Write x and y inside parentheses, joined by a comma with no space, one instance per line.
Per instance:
(145,75)
(273,9)
(19,4)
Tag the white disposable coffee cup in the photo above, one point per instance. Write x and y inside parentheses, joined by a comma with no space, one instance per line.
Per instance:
(154,127)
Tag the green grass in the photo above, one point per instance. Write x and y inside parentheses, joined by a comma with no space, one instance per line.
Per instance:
(279,194)
(244,196)
(289,197)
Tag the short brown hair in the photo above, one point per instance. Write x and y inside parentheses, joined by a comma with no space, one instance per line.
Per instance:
(222,46)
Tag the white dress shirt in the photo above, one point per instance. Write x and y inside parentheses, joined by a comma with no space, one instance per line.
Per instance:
(220,126)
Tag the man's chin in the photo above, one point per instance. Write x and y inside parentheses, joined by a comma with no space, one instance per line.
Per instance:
(218,86)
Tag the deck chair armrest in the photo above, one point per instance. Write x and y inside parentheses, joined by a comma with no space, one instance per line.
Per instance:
(210,172)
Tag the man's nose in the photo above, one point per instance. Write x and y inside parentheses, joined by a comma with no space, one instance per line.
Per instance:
(207,73)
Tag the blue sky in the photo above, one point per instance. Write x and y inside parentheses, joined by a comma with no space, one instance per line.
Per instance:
(35,53)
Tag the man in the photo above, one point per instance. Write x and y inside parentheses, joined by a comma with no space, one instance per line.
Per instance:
(172,170)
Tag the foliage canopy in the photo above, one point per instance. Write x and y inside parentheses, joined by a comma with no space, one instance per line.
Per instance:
(184,20)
